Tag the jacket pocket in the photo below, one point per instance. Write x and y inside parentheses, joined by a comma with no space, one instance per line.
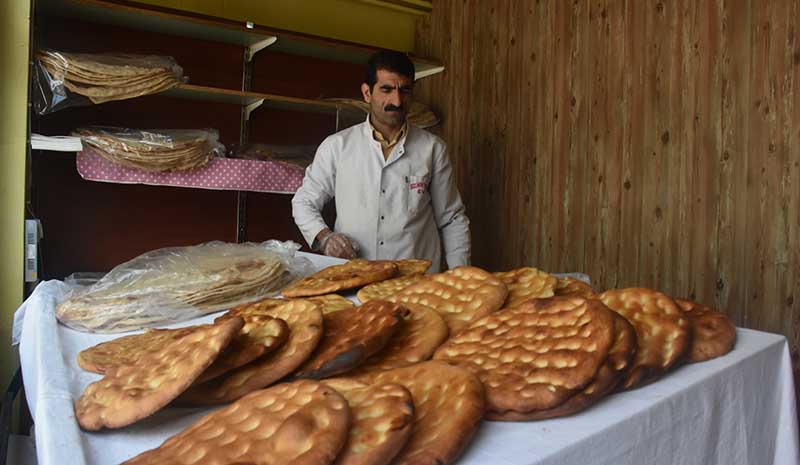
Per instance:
(418,196)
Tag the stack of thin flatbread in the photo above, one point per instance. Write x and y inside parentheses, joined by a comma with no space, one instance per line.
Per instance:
(106,77)
(175,284)
(418,113)
(153,150)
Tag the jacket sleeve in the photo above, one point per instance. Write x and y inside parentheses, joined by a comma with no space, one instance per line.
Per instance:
(318,188)
(449,212)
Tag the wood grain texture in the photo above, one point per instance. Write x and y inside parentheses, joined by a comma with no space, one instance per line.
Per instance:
(643,143)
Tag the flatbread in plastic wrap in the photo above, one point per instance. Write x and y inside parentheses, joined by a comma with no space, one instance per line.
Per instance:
(178,283)
(155,150)
(68,79)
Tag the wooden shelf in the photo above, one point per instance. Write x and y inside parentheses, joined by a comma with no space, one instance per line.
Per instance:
(237,97)
(130,15)
(181,23)
(329,49)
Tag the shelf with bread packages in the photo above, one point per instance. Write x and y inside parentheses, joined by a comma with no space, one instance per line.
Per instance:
(268,170)
(262,168)
(187,158)
(219,173)
(153,157)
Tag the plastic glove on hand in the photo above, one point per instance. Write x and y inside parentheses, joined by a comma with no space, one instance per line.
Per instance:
(339,245)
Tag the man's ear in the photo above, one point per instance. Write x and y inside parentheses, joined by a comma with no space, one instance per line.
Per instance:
(366,92)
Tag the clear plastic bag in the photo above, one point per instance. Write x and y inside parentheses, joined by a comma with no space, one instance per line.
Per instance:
(154,149)
(74,79)
(179,283)
(579,276)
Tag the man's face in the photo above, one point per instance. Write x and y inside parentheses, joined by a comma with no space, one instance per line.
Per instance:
(389,98)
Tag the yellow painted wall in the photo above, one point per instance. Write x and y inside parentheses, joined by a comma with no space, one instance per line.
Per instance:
(363,22)
(14,38)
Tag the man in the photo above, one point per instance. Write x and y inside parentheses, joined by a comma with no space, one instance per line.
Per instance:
(393,183)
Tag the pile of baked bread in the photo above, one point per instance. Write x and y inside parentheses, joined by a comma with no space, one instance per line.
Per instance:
(405,377)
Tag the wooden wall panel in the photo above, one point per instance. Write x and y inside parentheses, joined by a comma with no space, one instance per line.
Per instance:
(643,143)
(733,210)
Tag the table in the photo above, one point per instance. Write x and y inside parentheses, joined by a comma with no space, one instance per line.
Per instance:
(737,409)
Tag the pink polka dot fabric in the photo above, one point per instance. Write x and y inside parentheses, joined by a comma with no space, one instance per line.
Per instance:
(218,174)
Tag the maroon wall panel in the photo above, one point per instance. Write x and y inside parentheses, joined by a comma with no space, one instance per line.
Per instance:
(305,77)
(93,226)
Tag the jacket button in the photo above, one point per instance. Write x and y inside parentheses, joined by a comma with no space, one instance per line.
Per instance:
(381,242)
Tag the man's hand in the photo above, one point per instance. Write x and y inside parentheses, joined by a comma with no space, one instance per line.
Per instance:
(338,245)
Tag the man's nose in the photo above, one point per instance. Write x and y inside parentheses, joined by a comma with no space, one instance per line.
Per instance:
(394,98)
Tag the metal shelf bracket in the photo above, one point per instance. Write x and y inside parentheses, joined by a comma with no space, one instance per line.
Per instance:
(250,107)
(258,46)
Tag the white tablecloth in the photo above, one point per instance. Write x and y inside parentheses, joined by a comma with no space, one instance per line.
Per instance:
(737,409)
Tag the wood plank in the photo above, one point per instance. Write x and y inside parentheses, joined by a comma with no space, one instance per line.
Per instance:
(597,145)
(630,204)
(543,124)
(496,127)
(559,156)
(574,230)
(680,215)
(792,193)
(518,145)
(758,145)
(656,141)
(775,229)
(463,98)
(705,155)
(732,221)
(528,183)
(618,98)
(481,150)
(674,257)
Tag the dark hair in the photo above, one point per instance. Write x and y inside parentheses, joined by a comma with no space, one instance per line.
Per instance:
(388,60)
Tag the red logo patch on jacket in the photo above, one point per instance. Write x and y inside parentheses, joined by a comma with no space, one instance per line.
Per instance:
(417,186)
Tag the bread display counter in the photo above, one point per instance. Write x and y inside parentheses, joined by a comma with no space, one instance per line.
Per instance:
(736,408)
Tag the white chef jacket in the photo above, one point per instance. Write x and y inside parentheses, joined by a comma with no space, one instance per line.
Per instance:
(404,206)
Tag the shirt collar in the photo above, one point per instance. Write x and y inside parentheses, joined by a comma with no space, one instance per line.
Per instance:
(376,135)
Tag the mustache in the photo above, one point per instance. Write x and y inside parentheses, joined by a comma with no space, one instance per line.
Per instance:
(393,108)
